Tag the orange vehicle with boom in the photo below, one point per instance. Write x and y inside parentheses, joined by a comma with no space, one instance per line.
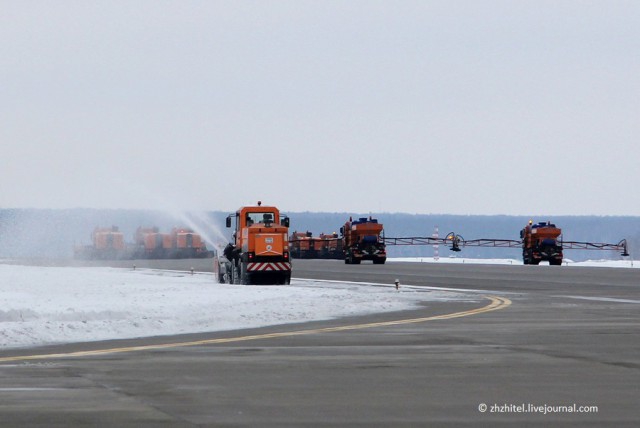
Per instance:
(260,251)
(541,242)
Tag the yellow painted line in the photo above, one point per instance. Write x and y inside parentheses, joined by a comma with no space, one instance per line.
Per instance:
(496,304)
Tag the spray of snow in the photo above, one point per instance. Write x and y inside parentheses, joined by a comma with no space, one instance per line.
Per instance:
(201,223)
(197,220)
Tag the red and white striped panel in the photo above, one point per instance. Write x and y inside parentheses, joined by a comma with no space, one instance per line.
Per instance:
(268,266)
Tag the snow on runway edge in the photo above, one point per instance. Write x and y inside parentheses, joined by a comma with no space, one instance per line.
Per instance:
(45,305)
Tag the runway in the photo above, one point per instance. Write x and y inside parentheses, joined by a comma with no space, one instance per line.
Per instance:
(559,346)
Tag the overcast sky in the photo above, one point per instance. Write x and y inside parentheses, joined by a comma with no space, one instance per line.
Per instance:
(461,107)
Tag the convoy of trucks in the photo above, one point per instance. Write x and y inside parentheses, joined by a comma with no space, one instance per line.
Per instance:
(361,239)
(303,245)
(149,243)
(364,239)
(261,248)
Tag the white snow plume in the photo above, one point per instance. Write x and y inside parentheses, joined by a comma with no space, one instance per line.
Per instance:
(202,223)
(198,220)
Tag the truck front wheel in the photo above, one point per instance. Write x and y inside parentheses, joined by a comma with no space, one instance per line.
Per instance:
(245,277)
(235,274)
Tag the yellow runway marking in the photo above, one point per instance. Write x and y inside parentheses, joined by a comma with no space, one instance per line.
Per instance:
(496,304)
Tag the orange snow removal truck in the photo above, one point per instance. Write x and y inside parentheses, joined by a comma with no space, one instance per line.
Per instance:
(541,242)
(260,251)
(363,239)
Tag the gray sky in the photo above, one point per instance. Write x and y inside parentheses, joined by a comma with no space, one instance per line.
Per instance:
(462,107)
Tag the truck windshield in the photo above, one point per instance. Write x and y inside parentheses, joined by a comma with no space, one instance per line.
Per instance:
(260,218)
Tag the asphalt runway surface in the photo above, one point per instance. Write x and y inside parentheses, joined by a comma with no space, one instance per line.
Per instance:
(533,346)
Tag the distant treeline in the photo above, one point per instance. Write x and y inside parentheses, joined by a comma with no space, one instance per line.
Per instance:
(53,233)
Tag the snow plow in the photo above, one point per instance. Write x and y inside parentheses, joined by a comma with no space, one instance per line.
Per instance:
(259,253)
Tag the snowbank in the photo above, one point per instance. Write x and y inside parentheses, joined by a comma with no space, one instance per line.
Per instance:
(42,305)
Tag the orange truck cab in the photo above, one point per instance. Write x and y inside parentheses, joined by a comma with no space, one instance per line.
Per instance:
(259,253)
(541,242)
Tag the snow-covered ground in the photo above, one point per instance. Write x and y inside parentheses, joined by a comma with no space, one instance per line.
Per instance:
(43,305)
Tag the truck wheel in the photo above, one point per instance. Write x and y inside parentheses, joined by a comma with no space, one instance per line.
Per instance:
(235,276)
(245,277)
(284,279)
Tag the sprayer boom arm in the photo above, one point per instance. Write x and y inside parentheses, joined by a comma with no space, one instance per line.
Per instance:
(416,240)
(620,246)
(457,241)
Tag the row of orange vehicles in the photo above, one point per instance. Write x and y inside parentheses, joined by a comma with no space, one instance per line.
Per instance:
(325,246)
(262,249)
(149,243)
(360,239)
(363,239)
